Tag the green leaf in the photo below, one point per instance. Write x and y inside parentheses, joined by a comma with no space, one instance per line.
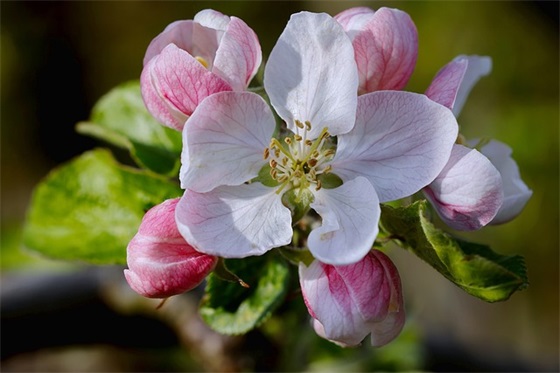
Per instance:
(90,208)
(230,308)
(474,267)
(120,118)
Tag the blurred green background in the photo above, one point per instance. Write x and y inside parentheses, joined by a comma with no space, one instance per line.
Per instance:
(58,58)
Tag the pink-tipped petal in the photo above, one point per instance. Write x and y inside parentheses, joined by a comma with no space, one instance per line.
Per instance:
(350,214)
(477,67)
(385,47)
(224,140)
(190,36)
(468,192)
(311,75)
(160,262)
(353,20)
(212,19)
(516,192)
(349,302)
(174,83)
(234,221)
(239,56)
(446,83)
(400,143)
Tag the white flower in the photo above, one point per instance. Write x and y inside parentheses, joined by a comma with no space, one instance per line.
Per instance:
(380,146)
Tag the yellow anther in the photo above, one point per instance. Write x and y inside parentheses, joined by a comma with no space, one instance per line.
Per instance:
(284,161)
(327,169)
(299,124)
(308,142)
(312,162)
(273,163)
(308,125)
(288,140)
(202,61)
(273,173)
(298,137)
(266,153)
(318,185)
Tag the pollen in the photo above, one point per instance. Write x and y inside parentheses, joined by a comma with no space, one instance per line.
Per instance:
(296,161)
(202,61)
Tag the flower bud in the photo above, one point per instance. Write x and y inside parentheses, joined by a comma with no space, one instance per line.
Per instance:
(349,302)
(160,262)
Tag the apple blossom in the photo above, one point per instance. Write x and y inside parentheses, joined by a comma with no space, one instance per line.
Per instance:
(341,156)
(385,46)
(192,59)
(349,302)
(160,262)
(474,189)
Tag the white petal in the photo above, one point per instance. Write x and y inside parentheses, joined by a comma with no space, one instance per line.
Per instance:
(311,74)
(516,192)
(234,221)
(468,192)
(350,215)
(400,143)
(478,66)
(224,141)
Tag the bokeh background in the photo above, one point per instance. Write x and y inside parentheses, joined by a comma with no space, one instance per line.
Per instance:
(59,58)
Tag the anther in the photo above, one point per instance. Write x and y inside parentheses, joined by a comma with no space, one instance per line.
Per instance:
(308,142)
(266,153)
(318,185)
(312,162)
(202,61)
(288,140)
(299,124)
(308,125)
(273,163)
(298,137)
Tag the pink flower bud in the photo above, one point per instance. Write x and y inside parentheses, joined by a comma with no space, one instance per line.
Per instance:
(160,262)
(349,302)
(193,59)
(385,46)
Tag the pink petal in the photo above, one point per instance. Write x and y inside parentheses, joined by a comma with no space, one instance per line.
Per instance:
(477,67)
(193,38)
(160,262)
(384,331)
(349,302)
(354,19)
(239,55)
(468,192)
(445,85)
(516,192)
(212,19)
(174,83)
(385,47)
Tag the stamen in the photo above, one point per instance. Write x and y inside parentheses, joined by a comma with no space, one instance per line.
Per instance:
(308,125)
(299,124)
(266,153)
(202,61)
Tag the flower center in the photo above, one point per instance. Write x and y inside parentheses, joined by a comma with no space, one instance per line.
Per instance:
(298,161)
